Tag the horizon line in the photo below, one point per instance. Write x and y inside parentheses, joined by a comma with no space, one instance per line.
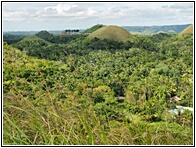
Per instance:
(94,25)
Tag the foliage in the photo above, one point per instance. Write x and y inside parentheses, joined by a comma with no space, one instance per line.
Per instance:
(68,94)
(93,28)
(160,36)
(31,43)
(59,39)
(11,39)
(45,35)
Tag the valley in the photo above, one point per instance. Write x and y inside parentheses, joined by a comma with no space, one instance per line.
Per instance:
(107,86)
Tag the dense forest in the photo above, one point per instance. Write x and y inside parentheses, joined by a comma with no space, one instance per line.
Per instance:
(76,90)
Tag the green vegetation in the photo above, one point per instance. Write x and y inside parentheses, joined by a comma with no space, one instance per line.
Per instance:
(45,35)
(94,28)
(58,39)
(160,36)
(32,42)
(68,93)
(11,39)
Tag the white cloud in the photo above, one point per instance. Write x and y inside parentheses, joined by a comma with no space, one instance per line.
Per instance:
(17,16)
(90,13)
(62,9)
(69,10)
(182,5)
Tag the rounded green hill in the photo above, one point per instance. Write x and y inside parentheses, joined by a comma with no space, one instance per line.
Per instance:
(31,42)
(187,30)
(112,33)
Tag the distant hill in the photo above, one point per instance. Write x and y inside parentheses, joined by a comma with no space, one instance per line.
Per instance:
(31,42)
(187,30)
(94,28)
(45,35)
(112,33)
(20,32)
(12,39)
(160,37)
(166,28)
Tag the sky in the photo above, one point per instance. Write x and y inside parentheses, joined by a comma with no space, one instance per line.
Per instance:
(37,16)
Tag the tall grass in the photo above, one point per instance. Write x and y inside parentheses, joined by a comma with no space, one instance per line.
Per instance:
(44,119)
(39,109)
(48,121)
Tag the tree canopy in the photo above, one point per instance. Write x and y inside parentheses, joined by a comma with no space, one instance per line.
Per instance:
(61,89)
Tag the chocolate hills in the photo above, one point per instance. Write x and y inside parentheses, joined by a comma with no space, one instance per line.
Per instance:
(111,32)
(187,30)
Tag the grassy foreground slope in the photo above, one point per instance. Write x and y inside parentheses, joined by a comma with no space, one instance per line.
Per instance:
(112,33)
(35,114)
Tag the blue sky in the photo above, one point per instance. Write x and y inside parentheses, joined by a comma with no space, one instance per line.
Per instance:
(29,16)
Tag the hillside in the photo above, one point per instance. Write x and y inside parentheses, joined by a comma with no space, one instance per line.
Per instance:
(93,28)
(114,33)
(30,42)
(45,35)
(188,30)
(98,91)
